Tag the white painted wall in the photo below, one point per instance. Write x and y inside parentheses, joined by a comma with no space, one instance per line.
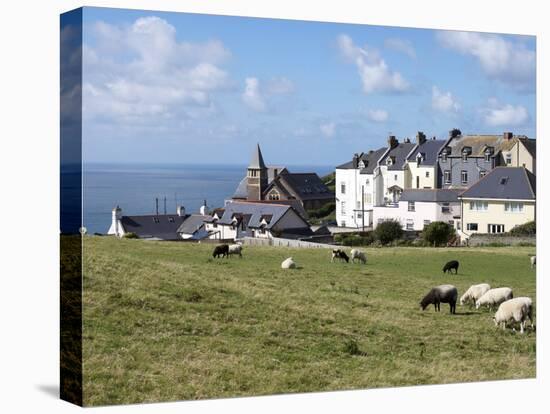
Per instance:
(354,183)
(423,212)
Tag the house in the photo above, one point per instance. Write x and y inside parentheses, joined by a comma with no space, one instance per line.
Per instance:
(239,219)
(171,227)
(522,154)
(418,208)
(464,159)
(502,199)
(389,177)
(421,168)
(275,183)
(355,189)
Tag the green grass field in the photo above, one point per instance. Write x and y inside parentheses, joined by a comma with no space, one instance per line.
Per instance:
(164,321)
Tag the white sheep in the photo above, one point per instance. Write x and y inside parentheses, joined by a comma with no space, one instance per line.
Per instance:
(529,304)
(474,292)
(358,254)
(494,297)
(288,264)
(515,310)
(235,249)
(533,261)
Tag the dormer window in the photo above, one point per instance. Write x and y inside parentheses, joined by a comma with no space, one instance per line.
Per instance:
(390,160)
(445,153)
(361,164)
(488,153)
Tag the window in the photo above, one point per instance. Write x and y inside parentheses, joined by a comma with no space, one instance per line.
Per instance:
(156,220)
(513,207)
(479,205)
(417,181)
(447,176)
(359,215)
(451,223)
(215,224)
(464,157)
(368,198)
(444,156)
(367,181)
(471,226)
(171,219)
(508,159)
(464,176)
(409,225)
(343,223)
(343,207)
(495,228)
(343,188)
(482,173)
(274,196)
(426,223)
(487,157)
(427,174)
(411,206)
(458,225)
(445,208)
(395,177)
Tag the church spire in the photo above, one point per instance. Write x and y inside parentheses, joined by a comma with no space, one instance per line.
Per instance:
(257,161)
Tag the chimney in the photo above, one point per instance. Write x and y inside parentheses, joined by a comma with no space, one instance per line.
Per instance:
(454,133)
(157,206)
(392,141)
(420,138)
(116,216)
(355,160)
(508,136)
(407,140)
(180,211)
(204,209)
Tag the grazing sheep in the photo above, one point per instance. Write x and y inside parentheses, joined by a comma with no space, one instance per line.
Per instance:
(453,264)
(529,304)
(533,261)
(288,264)
(235,249)
(221,250)
(514,310)
(494,297)
(441,294)
(340,255)
(358,254)
(474,292)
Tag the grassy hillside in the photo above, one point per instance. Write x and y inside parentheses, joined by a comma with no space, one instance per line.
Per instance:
(164,321)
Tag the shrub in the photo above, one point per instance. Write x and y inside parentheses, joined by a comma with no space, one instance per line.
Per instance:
(130,235)
(527,229)
(323,211)
(438,233)
(355,239)
(388,231)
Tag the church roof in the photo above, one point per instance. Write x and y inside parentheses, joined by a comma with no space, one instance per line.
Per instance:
(257,160)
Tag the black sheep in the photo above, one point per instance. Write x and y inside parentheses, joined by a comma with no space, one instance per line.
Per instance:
(221,250)
(453,264)
(339,254)
(440,294)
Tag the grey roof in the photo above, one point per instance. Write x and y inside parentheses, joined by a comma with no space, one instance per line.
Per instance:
(162,226)
(440,195)
(257,160)
(241,192)
(531,146)
(192,223)
(429,149)
(479,143)
(307,186)
(400,153)
(370,159)
(514,183)
(256,211)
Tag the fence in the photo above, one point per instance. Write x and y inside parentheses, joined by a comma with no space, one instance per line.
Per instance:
(279,242)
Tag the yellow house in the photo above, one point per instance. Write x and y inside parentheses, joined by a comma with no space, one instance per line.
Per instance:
(421,167)
(522,154)
(498,202)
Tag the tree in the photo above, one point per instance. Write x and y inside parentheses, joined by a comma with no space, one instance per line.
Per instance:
(388,231)
(438,233)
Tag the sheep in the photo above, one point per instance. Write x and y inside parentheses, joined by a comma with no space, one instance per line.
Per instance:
(340,255)
(453,264)
(533,261)
(494,297)
(221,250)
(443,293)
(529,304)
(515,310)
(288,264)
(474,292)
(358,254)
(235,249)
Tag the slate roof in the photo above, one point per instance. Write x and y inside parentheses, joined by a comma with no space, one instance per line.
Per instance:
(369,158)
(531,146)
(241,191)
(400,153)
(256,211)
(257,160)
(307,186)
(147,227)
(192,223)
(514,183)
(440,195)
(430,150)
(479,143)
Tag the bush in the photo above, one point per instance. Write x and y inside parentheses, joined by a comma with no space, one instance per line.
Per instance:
(130,235)
(355,239)
(438,233)
(527,229)
(323,211)
(388,231)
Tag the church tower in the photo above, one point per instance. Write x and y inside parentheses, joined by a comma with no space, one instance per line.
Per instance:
(256,176)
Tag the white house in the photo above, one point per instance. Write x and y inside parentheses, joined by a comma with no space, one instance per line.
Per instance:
(421,170)
(418,208)
(355,190)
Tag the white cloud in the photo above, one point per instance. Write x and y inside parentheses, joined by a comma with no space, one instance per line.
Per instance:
(252,96)
(498,114)
(328,129)
(377,115)
(444,101)
(512,63)
(140,72)
(374,72)
(401,45)
(280,86)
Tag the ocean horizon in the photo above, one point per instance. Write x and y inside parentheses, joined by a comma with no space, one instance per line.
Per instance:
(134,187)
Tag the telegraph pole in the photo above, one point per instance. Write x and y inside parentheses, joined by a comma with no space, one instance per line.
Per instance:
(363,206)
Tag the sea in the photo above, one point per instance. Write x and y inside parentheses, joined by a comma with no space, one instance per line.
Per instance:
(136,187)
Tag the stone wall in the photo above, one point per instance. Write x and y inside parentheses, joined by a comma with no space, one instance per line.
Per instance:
(483,239)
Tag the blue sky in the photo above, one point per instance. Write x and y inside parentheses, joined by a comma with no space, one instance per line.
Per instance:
(176,87)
